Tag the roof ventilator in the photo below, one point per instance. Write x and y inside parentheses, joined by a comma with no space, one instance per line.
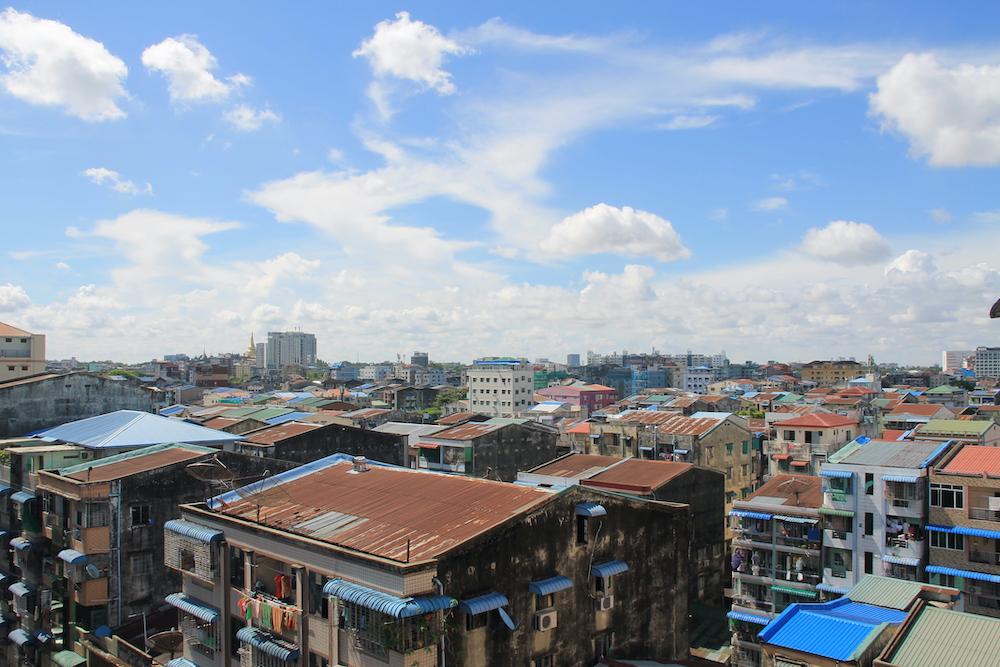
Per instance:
(360,464)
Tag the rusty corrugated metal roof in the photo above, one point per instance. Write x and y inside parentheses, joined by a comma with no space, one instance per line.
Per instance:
(670,423)
(269,436)
(796,490)
(468,431)
(132,464)
(389,512)
(638,476)
(573,465)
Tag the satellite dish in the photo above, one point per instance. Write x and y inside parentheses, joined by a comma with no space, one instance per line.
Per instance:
(169,641)
(795,485)
(212,472)
(264,493)
(103,630)
(92,571)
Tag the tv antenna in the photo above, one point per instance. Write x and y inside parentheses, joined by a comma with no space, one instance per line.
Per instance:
(266,492)
(214,473)
(795,485)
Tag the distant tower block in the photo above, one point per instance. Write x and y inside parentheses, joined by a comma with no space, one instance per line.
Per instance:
(420,359)
(572,359)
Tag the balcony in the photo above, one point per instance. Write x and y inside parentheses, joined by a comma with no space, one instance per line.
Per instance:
(90,540)
(984,514)
(91,592)
(987,557)
(791,542)
(751,536)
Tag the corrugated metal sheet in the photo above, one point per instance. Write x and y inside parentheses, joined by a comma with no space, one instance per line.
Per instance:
(268,643)
(550,585)
(669,423)
(638,476)
(387,604)
(891,454)
(133,463)
(291,416)
(608,569)
(483,603)
(962,530)
(590,509)
(750,515)
(975,460)
(749,618)
(967,574)
(405,512)
(193,530)
(130,428)
(885,591)
(194,607)
(468,431)
(275,434)
(72,556)
(944,637)
(573,465)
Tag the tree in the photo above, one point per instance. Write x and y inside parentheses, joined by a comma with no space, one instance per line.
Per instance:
(444,398)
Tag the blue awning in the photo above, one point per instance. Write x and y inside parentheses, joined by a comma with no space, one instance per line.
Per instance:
(961,530)
(750,515)
(749,618)
(832,589)
(899,478)
(23,497)
(4,534)
(5,489)
(795,519)
(483,603)
(836,473)
(72,556)
(42,636)
(19,636)
(193,530)
(898,560)
(981,576)
(21,543)
(180,662)
(21,590)
(268,643)
(590,509)
(386,603)
(608,569)
(681,451)
(193,607)
(549,586)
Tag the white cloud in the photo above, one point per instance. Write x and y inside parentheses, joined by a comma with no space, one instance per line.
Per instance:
(286,266)
(721,213)
(63,266)
(912,261)
(803,180)
(845,243)
(770,204)
(100,175)
(49,64)
(411,50)
(13,298)
(249,119)
(621,231)
(689,122)
(950,115)
(187,64)
(940,214)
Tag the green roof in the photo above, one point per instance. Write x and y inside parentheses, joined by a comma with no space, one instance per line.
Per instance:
(945,389)
(790,398)
(950,426)
(946,637)
(885,592)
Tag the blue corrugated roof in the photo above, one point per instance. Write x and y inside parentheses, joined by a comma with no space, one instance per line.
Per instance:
(550,585)
(749,618)
(23,497)
(483,603)
(268,643)
(131,428)
(750,515)
(839,630)
(608,569)
(72,556)
(836,473)
(961,530)
(193,530)
(968,574)
(384,602)
(291,416)
(591,509)
(194,607)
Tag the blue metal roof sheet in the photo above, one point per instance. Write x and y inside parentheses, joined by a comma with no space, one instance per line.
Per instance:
(832,589)
(551,585)
(19,636)
(899,560)
(268,643)
(194,607)
(750,515)
(193,530)
(72,556)
(5,489)
(961,530)
(749,618)
(131,428)
(483,603)
(608,569)
(591,509)
(836,473)
(839,630)
(899,478)
(21,543)
(795,519)
(968,574)
(291,416)
(21,590)
(386,603)
(23,497)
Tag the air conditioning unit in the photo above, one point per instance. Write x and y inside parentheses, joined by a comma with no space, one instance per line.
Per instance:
(546,620)
(605,603)
(972,588)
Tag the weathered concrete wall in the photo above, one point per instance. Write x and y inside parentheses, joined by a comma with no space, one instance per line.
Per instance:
(511,449)
(650,614)
(27,406)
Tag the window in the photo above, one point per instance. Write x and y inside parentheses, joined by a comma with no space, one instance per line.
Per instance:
(949,496)
(582,533)
(729,446)
(869,483)
(840,484)
(476,621)
(141,563)
(869,562)
(140,516)
(947,541)
(746,447)
(869,523)
(789,435)
(545,601)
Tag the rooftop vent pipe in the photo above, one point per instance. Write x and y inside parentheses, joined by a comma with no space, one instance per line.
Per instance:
(360,464)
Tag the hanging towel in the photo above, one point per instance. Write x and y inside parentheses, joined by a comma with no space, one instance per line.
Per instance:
(276,618)
(265,616)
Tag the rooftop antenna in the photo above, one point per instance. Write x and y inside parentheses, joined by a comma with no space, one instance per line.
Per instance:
(214,473)
(266,492)
(795,486)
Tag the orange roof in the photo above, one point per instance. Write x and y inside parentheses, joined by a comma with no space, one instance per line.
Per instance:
(890,434)
(8,330)
(921,409)
(801,490)
(818,420)
(467,431)
(856,391)
(392,512)
(975,460)
(135,465)
(269,436)
(582,427)
(574,464)
(637,476)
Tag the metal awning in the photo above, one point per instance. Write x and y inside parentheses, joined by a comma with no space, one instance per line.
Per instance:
(72,556)
(750,515)
(19,636)
(608,569)
(21,543)
(961,530)
(799,592)
(483,603)
(781,457)
(551,585)
(834,512)
(194,607)
(899,560)
(180,662)
(843,474)
(681,451)
(832,589)
(387,603)
(795,519)
(4,489)
(980,576)
(899,478)
(427,445)
(71,659)
(749,618)
(42,636)
(800,464)
(21,590)
(193,530)
(268,643)
(591,509)
(23,497)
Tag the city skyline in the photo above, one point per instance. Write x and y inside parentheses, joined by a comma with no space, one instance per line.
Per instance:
(518,179)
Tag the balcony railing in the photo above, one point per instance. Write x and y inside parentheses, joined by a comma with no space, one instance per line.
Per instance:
(989,557)
(752,536)
(984,514)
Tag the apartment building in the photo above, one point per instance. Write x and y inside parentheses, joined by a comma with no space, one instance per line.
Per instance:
(803,444)
(500,388)
(355,567)
(830,373)
(290,347)
(21,353)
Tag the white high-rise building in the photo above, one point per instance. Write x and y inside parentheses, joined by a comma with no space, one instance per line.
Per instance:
(954,358)
(987,362)
(290,347)
(500,388)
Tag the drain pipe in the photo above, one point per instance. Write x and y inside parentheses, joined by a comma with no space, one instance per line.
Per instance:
(441,592)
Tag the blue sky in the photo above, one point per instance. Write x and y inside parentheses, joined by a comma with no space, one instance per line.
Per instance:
(530,179)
